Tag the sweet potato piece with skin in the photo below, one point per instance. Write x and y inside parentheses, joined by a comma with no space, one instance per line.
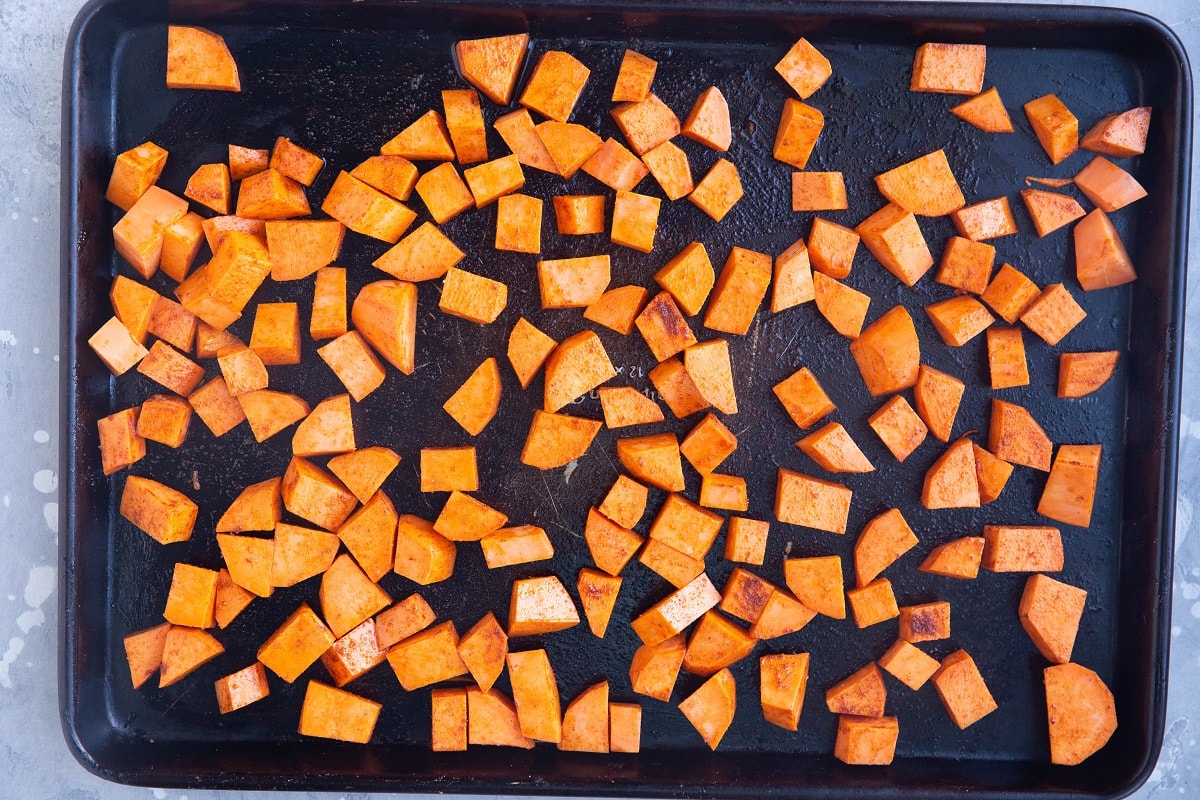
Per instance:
(385,314)
(716,643)
(528,349)
(197,58)
(962,690)
(539,606)
(121,445)
(800,126)
(618,308)
(882,541)
(1050,210)
(426,139)
(271,412)
(598,596)
(209,186)
(138,236)
(949,68)
(1081,712)
(805,69)
(492,720)
(164,419)
(843,307)
(862,693)
(217,408)
(888,353)
(143,652)
(369,534)
(354,363)
(395,176)
(895,239)
(185,651)
(300,553)
(474,403)
(1119,135)
(519,223)
(492,65)
(272,195)
(164,514)
(992,473)
(669,166)
(1071,487)
(653,459)
(676,568)
(464,121)
(635,221)
(554,440)
(834,450)
(899,427)
(135,171)
(655,668)
(868,741)
(1080,374)
(938,396)
(428,657)
(296,644)
(411,615)
(610,544)
(448,720)
(615,167)
(959,319)
(555,85)
(624,406)
(951,481)
(710,708)
(793,282)
(739,291)
(484,650)
(718,191)
(625,503)
(535,694)
(873,603)
(985,111)
(924,186)
(811,502)
(569,145)
(987,220)
(676,611)
(257,508)
(1006,358)
(423,555)
(908,664)
(465,519)
(708,121)
(966,265)
(585,722)
(957,559)
(1007,548)
(1101,260)
(1016,437)
(444,194)
(1050,612)
(1055,126)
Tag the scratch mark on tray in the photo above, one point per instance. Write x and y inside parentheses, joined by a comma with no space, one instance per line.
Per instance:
(550,494)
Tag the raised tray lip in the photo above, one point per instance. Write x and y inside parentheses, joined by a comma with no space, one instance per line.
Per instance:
(84,750)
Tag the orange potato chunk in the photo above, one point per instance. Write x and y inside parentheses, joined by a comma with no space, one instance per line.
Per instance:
(888,353)
(800,126)
(519,224)
(135,171)
(1050,612)
(1080,374)
(908,664)
(528,349)
(1055,126)
(843,307)
(555,85)
(535,694)
(672,382)
(615,167)
(143,652)
(426,139)
(646,124)
(209,186)
(423,555)
(1119,135)
(448,719)
(197,58)
(634,77)
(834,451)
(718,191)
(962,689)
(793,283)
(869,741)
(428,657)
(956,559)
(708,121)
(966,265)
(577,215)
(949,68)
(555,440)
(882,541)
(625,503)
(475,402)
(598,596)
(805,69)
(540,606)
(924,186)
(1101,260)
(862,694)
(464,121)
(710,708)
(1010,294)
(959,319)
(986,112)
(331,713)
(610,544)
(952,481)
(492,66)
(159,511)
(635,221)
(185,651)
(472,297)
(893,236)
(739,291)
(899,427)
(444,194)
(624,406)
(465,519)
(423,255)
(1050,210)
(653,459)
(1071,487)
(669,166)
(783,677)
(585,723)
(1081,713)
(492,720)
(811,502)
(1008,548)
(873,603)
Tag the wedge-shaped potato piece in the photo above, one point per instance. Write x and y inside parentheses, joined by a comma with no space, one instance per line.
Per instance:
(888,353)
(817,582)
(272,195)
(1050,612)
(535,694)
(209,186)
(834,450)
(925,186)
(783,677)
(709,367)
(664,327)
(528,349)
(585,722)
(257,508)
(949,68)
(1050,210)
(423,255)
(739,291)
(952,481)
(483,649)
(161,512)
(354,654)
(573,282)
(963,690)
(313,494)
(957,559)
(882,541)
(869,741)
(625,503)
(395,176)
(676,568)
(843,307)
(615,167)
(655,668)
(231,600)
(624,406)
(370,534)
(873,603)
(143,652)
(330,713)
(1081,712)
(135,171)
(296,644)
(710,708)
(800,126)
(985,111)
(465,519)
(617,309)
(908,664)
(1101,260)
(464,121)
(423,555)
(676,611)
(1119,135)
(300,553)
(448,720)
(653,459)
(1080,374)
(716,643)
(555,85)
(993,474)
(1071,488)
(197,58)
(675,386)
(708,121)
(803,398)
(783,614)
(385,313)
(805,69)
(249,560)
(1056,128)
(569,146)
(245,161)
(348,596)
(555,440)
(184,651)
(610,544)
(327,430)
(492,65)
(1016,437)
(295,162)
(811,502)
(718,191)
(862,694)
(520,545)
(492,720)
(1007,548)
(270,412)
(987,220)
(191,597)
(899,427)
(472,297)
(475,402)
(243,370)
(364,471)
(598,596)
(426,139)
(938,397)
(539,606)
(669,166)
(397,623)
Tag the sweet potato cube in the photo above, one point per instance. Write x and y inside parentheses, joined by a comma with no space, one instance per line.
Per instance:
(300,553)
(135,171)
(926,622)
(675,386)
(328,319)
(191,597)
(276,334)
(216,229)
(313,494)
(428,657)
(625,503)
(492,720)
(868,741)
(992,473)
(448,718)
(899,427)
(873,603)
(966,265)
(364,471)
(598,596)
(573,282)
(634,221)
(472,297)
(296,644)
(676,568)
(540,606)
(805,69)
(1080,374)
(1055,126)
(1006,358)
(528,349)
(249,560)
(272,195)
(987,220)
(1010,293)
(488,182)
(746,540)
(739,291)
(120,443)
(924,186)
(138,235)
(624,406)
(395,176)
(173,323)
(708,121)
(444,193)
(655,668)
(185,651)
(520,545)
(664,327)
(669,166)
(1101,260)
(331,713)
(783,678)
(676,611)
(239,266)
(143,652)
(555,440)
(465,519)
(492,65)
(585,722)
(1119,135)
(710,708)
(197,58)
(634,77)
(181,245)
(426,139)
(895,239)
(299,248)
(610,544)
(959,319)
(709,368)
(464,121)
(724,491)
(354,363)
(1050,612)
(803,398)
(411,615)
(576,215)
(1071,487)
(243,370)
(217,408)
(800,126)
(938,396)
(369,535)
(962,689)
(164,419)
(555,85)
(161,512)
(1081,713)
(888,353)
(793,282)
(718,191)
(569,145)
(1008,548)
(985,111)
(957,559)
(348,596)
(519,223)
(475,402)
(624,727)
(882,541)
(949,68)
(614,166)
(708,444)
(834,451)
(831,248)
(354,654)
(952,481)
(232,599)
(617,309)
(908,664)
(1050,210)
(209,186)
(483,649)
(576,366)
(653,460)
(843,307)
(861,694)
(715,644)
(245,161)
(1016,437)
(686,526)
(811,502)
(423,555)
(366,210)
(646,124)
(818,191)
(535,694)
(270,412)
(745,596)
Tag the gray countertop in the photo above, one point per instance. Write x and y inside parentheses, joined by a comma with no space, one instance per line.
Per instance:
(34,759)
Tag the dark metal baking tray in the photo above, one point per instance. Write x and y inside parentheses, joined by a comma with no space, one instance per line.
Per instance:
(341,78)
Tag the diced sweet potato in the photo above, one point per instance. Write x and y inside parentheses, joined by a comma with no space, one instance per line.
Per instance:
(843,307)
(348,596)
(718,191)
(576,366)
(873,603)
(598,596)
(444,193)
(634,77)
(1055,126)
(428,657)
(448,720)
(573,282)
(818,191)
(569,145)
(1055,313)
(143,652)
(715,644)
(708,121)
(924,186)
(272,195)
(535,694)
(676,611)
(895,239)
(120,443)
(926,622)
(190,601)
(354,654)
(164,419)
(959,319)
(1050,612)
(395,176)
(185,651)
(484,650)
(540,606)
(1071,487)
(675,386)
(411,615)
(793,283)
(949,68)
(423,555)
(646,124)
(519,223)
(475,402)
(1119,135)
(298,248)
(800,126)
(245,161)
(805,69)
(528,349)
(899,427)
(369,534)
(331,713)
(1050,210)
(300,553)
(811,502)
(465,519)
(1008,548)
(888,353)
(492,65)
(181,245)
(987,220)
(354,363)
(783,614)
(138,235)
(686,526)
(232,599)
(426,139)
(708,444)
(173,323)
(745,595)
(271,412)
(611,545)
(624,727)
(625,503)
(364,471)
(488,182)
(1108,186)
(803,398)
(962,689)
(1080,374)
(1016,437)
(615,167)
(555,85)
(296,644)
(1010,294)
(313,494)
(617,309)
(257,508)
(882,541)
(724,491)
(1081,713)
(739,291)
(464,121)
(135,171)
(133,303)
(655,667)
(664,328)
(472,297)
(197,58)
(676,568)
(216,229)
(492,720)
(669,166)
(243,370)
(783,678)
(710,708)
(869,741)
(709,368)
(985,111)
(993,474)
(161,512)
(217,408)
(520,545)
(653,459)
(585,722)
(576,215)
(276,334)
(952,481)
(624,406)
(834,450)
(966,265)
(1006,358)
(862,693)
(1101,260)
(635,220)
(209,186)
(957,559)
(908,664)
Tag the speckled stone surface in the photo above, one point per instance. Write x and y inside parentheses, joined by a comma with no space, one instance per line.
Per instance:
(34,759)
